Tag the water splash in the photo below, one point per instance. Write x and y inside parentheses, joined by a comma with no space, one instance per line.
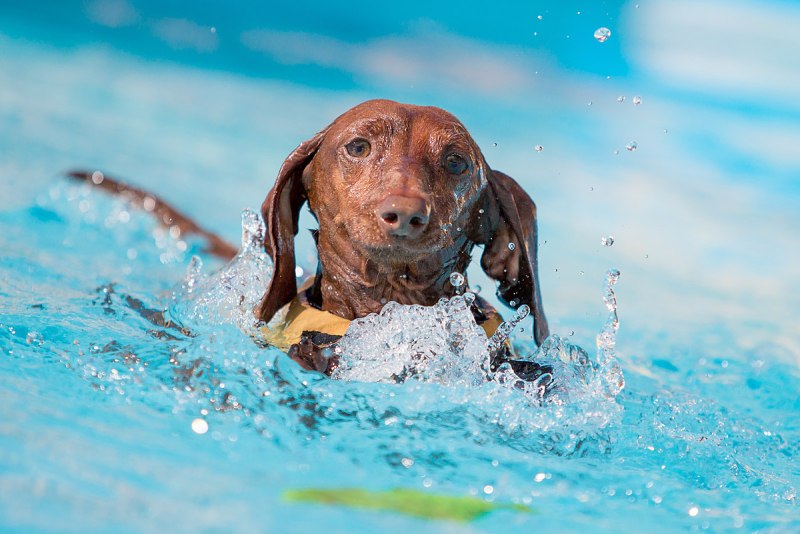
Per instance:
(503,331)
(440,344)
(231,294)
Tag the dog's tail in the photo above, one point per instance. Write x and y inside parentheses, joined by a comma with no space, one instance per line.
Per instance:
(164,213)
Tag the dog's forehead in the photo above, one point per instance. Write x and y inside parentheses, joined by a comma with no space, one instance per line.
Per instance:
(398,118)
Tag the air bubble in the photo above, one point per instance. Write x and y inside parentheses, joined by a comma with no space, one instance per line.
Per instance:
(602,34)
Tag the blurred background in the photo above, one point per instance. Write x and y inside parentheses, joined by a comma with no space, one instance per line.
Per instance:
(676,130)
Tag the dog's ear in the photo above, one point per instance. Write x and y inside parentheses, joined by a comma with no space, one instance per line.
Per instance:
(281,211)
(510,248)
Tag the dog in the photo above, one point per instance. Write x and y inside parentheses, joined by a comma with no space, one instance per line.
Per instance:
(402,195)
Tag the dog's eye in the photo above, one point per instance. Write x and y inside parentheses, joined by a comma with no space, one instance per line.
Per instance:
(455,164)
(358,148)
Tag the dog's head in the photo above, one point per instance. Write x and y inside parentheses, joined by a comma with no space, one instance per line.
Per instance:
(401,182)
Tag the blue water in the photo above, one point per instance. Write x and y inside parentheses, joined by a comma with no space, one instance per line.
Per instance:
(99,405)
(116,349)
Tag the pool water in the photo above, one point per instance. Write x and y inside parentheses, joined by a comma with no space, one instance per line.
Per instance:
(135,396)
(138,394)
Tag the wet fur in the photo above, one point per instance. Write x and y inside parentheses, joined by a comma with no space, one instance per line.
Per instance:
(359,267)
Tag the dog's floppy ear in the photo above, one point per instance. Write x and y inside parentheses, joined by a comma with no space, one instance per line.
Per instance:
(281,211)
(510,248)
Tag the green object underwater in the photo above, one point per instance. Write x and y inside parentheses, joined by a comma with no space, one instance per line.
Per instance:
(404,501)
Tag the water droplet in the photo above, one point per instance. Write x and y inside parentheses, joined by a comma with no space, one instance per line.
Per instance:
(539,477)
(589,103)
(494,144)
(383,301)
(476,289)
(572,332)
(407,462)
(539,17)
(34,338)
(480,210)
(621,98)
(469,298)
(200,426)
(511,246)
(149,203)
(602,34)
(97,177)
(456,279)
(538,148)
(541,383)
(213,29)
(693,511)
(666,131)
(512,303)
(646,256)
(637,100)
(632,146)
(298,271)
(591,189)
(607,241)
(488,489)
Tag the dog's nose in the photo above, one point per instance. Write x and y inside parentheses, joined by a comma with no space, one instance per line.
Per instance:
(401,215)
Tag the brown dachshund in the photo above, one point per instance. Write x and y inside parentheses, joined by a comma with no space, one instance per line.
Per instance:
(402,194)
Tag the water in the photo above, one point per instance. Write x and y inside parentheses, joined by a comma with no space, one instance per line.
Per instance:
(132,396)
